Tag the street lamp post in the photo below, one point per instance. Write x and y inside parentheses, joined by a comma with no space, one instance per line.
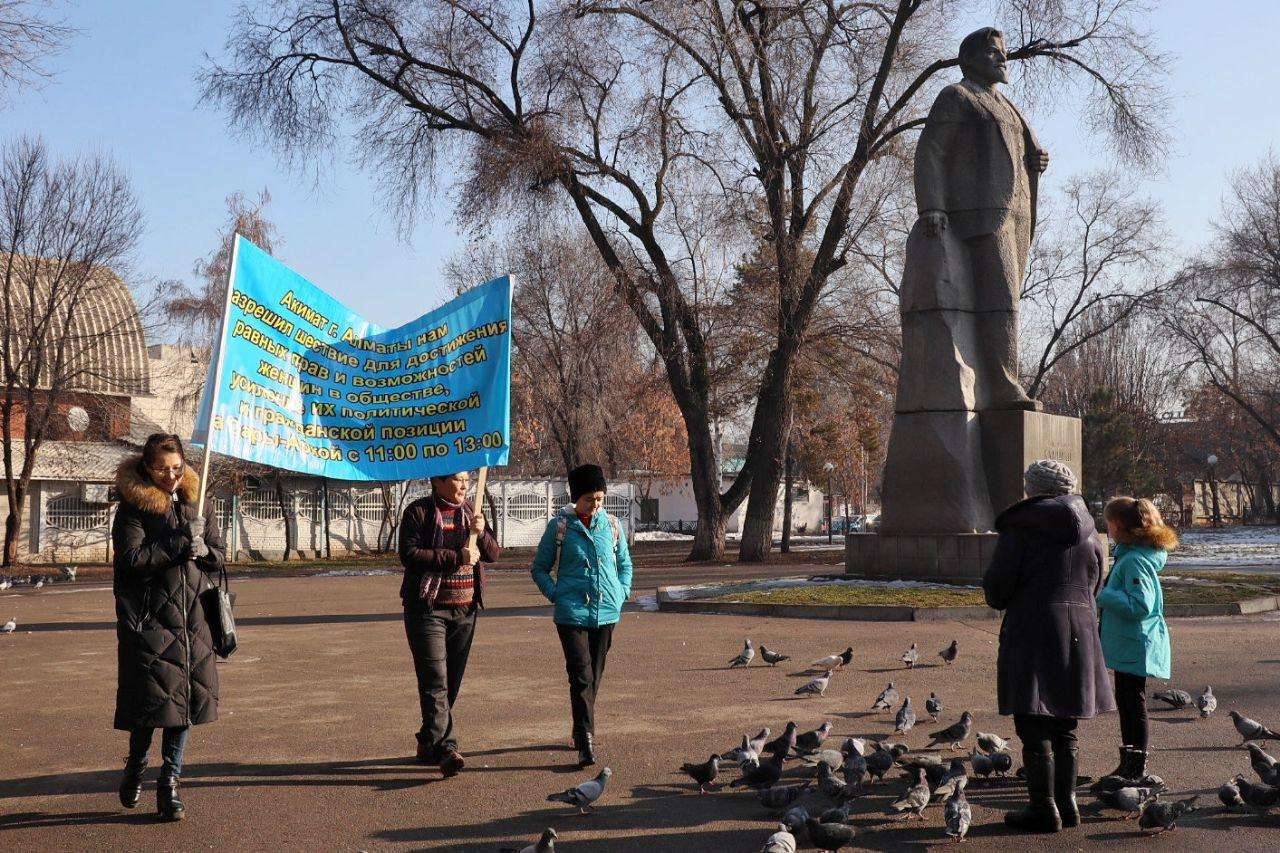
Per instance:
(831,501)
(1216,519)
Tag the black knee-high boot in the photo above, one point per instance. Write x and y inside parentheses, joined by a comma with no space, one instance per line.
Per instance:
(1041,814)
(1065,760)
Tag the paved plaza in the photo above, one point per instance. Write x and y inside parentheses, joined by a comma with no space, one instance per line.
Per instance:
(318,710)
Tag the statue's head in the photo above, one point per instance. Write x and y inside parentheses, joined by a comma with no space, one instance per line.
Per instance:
(982,57)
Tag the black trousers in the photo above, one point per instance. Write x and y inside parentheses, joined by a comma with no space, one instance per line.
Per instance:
(585,651)
(1131,702)
(440,641)
(1043,733)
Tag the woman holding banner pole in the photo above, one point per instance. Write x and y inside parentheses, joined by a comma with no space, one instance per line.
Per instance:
(442,543)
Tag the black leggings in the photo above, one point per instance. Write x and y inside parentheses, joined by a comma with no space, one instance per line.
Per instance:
(1131,702)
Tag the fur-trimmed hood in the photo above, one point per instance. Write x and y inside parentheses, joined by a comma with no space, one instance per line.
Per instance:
(1161,537)
(137,489)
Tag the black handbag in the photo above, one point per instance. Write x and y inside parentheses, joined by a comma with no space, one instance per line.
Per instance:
(218,603)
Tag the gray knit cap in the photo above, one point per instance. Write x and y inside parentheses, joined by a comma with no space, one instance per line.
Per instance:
(1049,477)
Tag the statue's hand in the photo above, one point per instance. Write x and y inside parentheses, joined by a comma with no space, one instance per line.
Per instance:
(1040,160)
(935,222)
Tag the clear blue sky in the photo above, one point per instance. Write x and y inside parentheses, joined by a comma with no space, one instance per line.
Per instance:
(126,85)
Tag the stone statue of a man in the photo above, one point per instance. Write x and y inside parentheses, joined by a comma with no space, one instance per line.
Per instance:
(976,172)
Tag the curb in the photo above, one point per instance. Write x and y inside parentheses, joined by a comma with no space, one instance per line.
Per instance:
(1246,607)
(670,600)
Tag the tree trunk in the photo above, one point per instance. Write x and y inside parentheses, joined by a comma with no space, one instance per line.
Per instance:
(788,488)
(13,526)
(708,537)
(290,519)
(766,449)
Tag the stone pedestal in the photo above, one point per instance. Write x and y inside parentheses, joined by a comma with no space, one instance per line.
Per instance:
(939,557)
(1012,440)
(933,480)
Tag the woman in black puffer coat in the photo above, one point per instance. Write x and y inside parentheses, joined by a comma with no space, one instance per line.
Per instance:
(164,550)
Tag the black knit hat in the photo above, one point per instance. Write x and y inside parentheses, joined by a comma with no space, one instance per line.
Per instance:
(586,479)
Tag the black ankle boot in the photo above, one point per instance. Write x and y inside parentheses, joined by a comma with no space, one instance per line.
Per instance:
(1041,814)
(586,750)
(1065,759)
(1123,766)
(131,782)
(168,804)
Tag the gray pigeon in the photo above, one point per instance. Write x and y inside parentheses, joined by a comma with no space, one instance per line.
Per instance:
(756,744)
(772,658)
(784,742)
(545,844)
(855,767)
(910,656)
(957,813)
(1267,768)
(829,784)
(829,836)
(766,775)
(795,818)
(1176,699)
(745,754)
(905,718)
(982,765)
(1251,729)
(990,743)
(810,742)
(950,653)
(953,734)
(1207,702)
(836,814)
(1229,794)
(1002,762)
(832,758)
(584,795)
(1262,798)
(780,797)
(1128,799)
(880,762)
(887,699)
(949,781)
(744,657)
(704,774)
(69,573)
(933,705)
(782,841)
(1161,816)
(916,799)
(816,687)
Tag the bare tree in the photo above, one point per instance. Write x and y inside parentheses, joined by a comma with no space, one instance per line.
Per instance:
(28,38)
(629,111)
(68,324)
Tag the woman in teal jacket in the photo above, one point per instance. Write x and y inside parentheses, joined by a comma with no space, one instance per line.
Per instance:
(586,549)
(1135,638)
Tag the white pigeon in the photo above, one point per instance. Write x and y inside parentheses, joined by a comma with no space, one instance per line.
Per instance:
(6,583)
(545,844)
(69,573)
(781,841)
(910,656)
(584,794)
(10,626)
(745,657)
(1207,702)
(816,687)
(39,583)
(836,661)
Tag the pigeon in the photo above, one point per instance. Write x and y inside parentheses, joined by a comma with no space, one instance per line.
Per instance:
(5,583)
(756,744)
(744,657)
(1259,797)
(1164,816)
(914,800)
(9,627)
(545,844)
(1264,765)
(39,582)
(880,762)
(1128,799)
(934,706)
(704,774)
(990,743)
(982,764)
(1229,794)
(836,814)
(950,653)
(745,754)
(829,836)
(957,813)
(816,687)
(585,794)
(839,661)
(764,776)
(779,797)
(910,656)
(887,698)
(829,784)
(1207,702)
(772,658)
(947,786)
(1115,783)
(783,743)
(832,758)
(1176,699)
(1002,762)
(812,741)
(855,767)
(953,734)
(905,718)
(1251,729)
(852,745)
(794,819)
(782,841)
(69,573)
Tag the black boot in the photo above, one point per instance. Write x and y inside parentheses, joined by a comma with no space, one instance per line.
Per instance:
(1041,814)
(1123,767)
(586,750)
(131,782)
(1065,759)
(168,805)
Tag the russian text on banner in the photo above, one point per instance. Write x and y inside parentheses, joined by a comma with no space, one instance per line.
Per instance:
(308,386)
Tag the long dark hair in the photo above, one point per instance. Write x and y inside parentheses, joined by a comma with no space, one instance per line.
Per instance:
(160,443)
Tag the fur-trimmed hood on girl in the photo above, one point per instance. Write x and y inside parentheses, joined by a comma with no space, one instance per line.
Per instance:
(137,489)
(1161,536)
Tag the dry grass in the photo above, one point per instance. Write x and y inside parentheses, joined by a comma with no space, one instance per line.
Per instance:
(837,595)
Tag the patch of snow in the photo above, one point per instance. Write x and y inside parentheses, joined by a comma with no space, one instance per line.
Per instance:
(662,536)
(725,588)
(1225,546)
(648,603)
(356,573)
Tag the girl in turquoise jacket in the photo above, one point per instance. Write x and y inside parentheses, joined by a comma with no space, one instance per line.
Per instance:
(1135,638)
(583,567)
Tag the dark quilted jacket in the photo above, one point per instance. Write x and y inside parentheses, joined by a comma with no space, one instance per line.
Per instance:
(167,673)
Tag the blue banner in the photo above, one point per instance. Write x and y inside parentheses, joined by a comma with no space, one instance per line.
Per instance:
(308,386)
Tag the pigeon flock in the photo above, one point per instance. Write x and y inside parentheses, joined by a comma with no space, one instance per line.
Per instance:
(67,573)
